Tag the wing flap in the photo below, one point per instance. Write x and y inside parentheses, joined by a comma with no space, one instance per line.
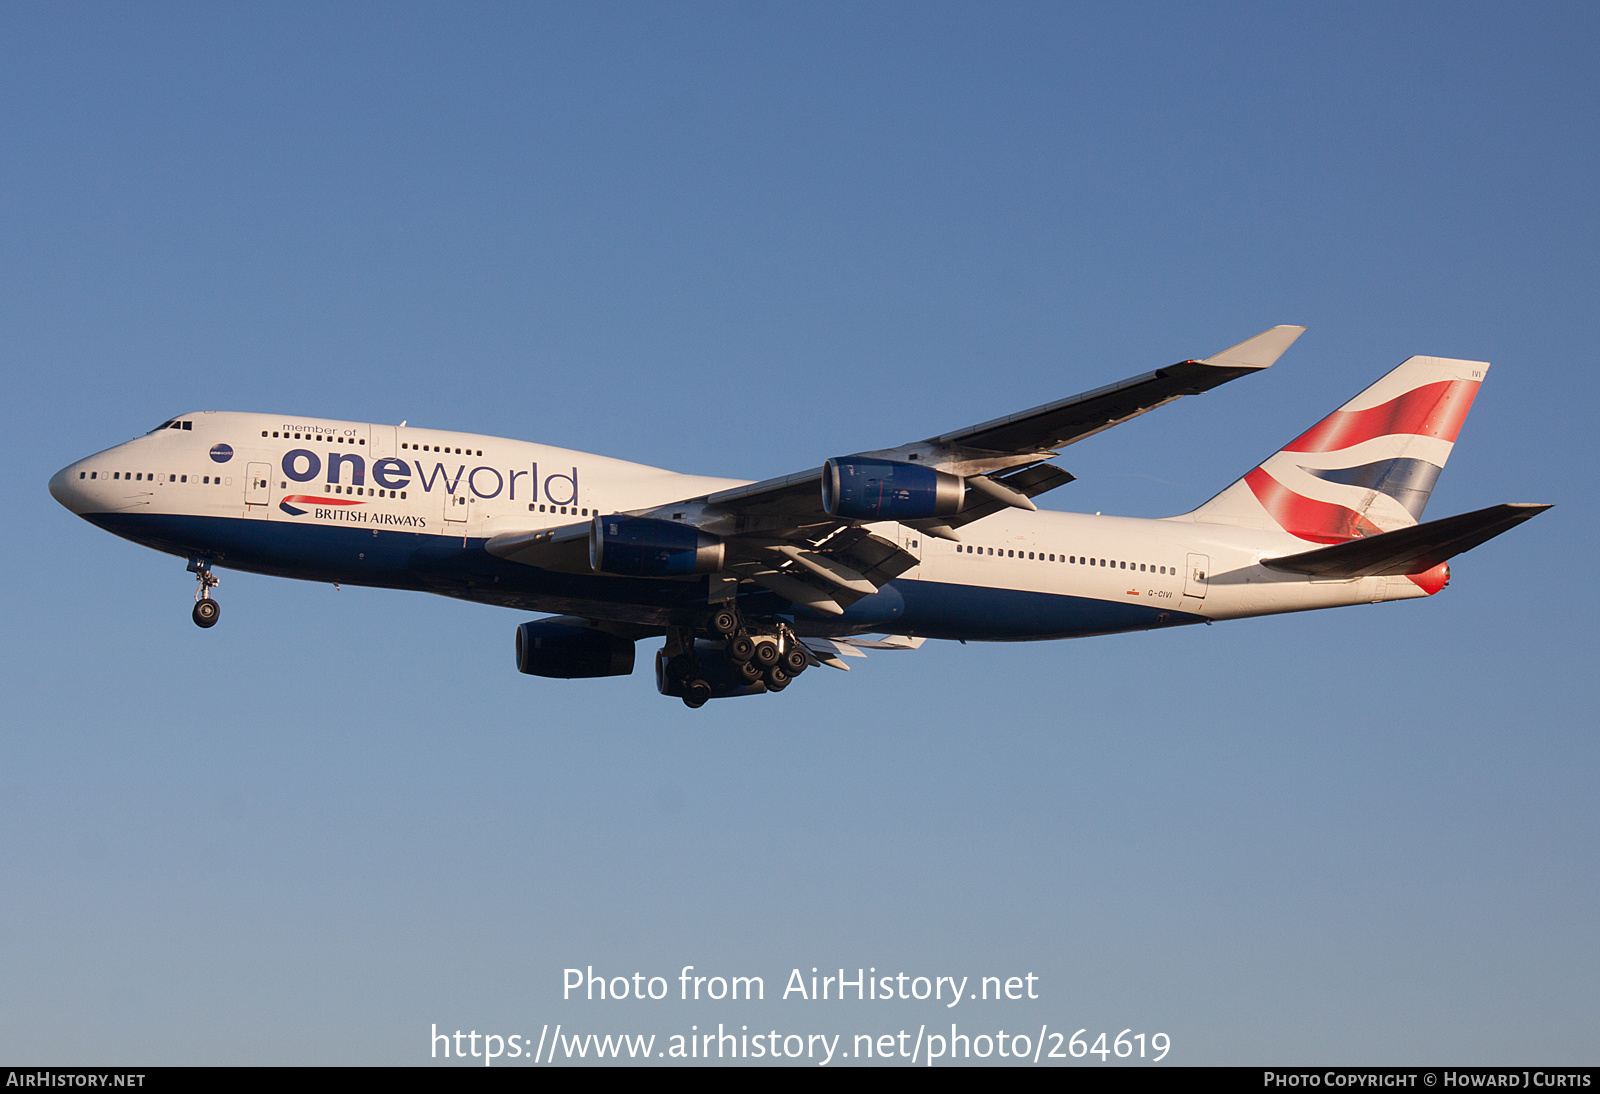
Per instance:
(828,652)
(831,575)
(878,560)
(887,642)
(796,589)
(832,651)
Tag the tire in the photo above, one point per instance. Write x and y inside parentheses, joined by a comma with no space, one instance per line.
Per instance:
(206,612)
(724,622)
(795,661)
(777,678)
(696,693)
(741,648)
(747,671)
(766,654)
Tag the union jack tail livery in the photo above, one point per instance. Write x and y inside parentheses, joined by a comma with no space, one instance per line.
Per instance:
(1365,469)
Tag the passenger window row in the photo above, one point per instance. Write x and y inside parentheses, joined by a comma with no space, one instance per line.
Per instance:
(1142,567)
(136,476)
(436,448)
(319,437)
(359,491)
(563,508)
(362,440)
(1077,560)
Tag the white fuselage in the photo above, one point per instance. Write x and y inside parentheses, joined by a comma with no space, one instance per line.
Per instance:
(411,508)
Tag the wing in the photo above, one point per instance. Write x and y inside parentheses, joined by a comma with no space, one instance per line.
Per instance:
(1011,444)
(1052,427)
(778,534)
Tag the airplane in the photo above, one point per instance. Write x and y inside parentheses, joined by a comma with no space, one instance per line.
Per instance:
(748,584)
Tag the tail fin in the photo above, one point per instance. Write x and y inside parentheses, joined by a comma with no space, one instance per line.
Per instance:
(1366,468)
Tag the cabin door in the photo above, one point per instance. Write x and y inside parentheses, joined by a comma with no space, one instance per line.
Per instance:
(911,541)
(257,489)
(456,507)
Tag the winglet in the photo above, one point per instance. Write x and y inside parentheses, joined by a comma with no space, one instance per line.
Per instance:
(1258,352)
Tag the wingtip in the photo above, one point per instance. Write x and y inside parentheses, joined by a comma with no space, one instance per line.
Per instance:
(1260,351)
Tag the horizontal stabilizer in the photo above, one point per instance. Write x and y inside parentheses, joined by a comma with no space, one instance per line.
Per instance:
(1411,550)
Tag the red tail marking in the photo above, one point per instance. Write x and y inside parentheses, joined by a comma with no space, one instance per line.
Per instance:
(1431,581)
(1307,518)
(1433,410)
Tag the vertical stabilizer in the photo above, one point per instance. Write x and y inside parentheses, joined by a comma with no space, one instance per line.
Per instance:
(1364,469)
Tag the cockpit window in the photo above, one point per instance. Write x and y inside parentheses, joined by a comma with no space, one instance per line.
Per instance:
(164,425)
(172,423)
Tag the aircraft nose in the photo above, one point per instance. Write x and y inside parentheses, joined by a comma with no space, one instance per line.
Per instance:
(64,488)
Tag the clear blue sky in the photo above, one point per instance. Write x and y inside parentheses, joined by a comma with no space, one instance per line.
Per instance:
(736,239)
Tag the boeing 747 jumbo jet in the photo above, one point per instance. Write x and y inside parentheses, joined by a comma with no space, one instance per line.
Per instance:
(748,584)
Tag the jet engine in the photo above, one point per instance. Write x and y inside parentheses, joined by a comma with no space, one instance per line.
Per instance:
(867,489)
(645,547)
(545,648)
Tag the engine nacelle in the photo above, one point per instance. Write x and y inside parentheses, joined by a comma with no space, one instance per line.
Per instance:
(571,653)
(645,547)
(867,489)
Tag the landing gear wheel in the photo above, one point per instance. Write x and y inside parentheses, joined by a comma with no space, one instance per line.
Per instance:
(696,693)
(777,678)
(206,610)
(748,671)
(766,654)
(795,661)
(724,622)
(741,648)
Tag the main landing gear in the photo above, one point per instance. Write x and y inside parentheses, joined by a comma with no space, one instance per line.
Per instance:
(206,611)
(747,663)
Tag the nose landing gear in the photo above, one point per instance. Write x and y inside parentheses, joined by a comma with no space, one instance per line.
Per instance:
(206,611)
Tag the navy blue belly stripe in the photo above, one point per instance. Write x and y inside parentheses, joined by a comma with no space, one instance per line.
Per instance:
(442,564)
